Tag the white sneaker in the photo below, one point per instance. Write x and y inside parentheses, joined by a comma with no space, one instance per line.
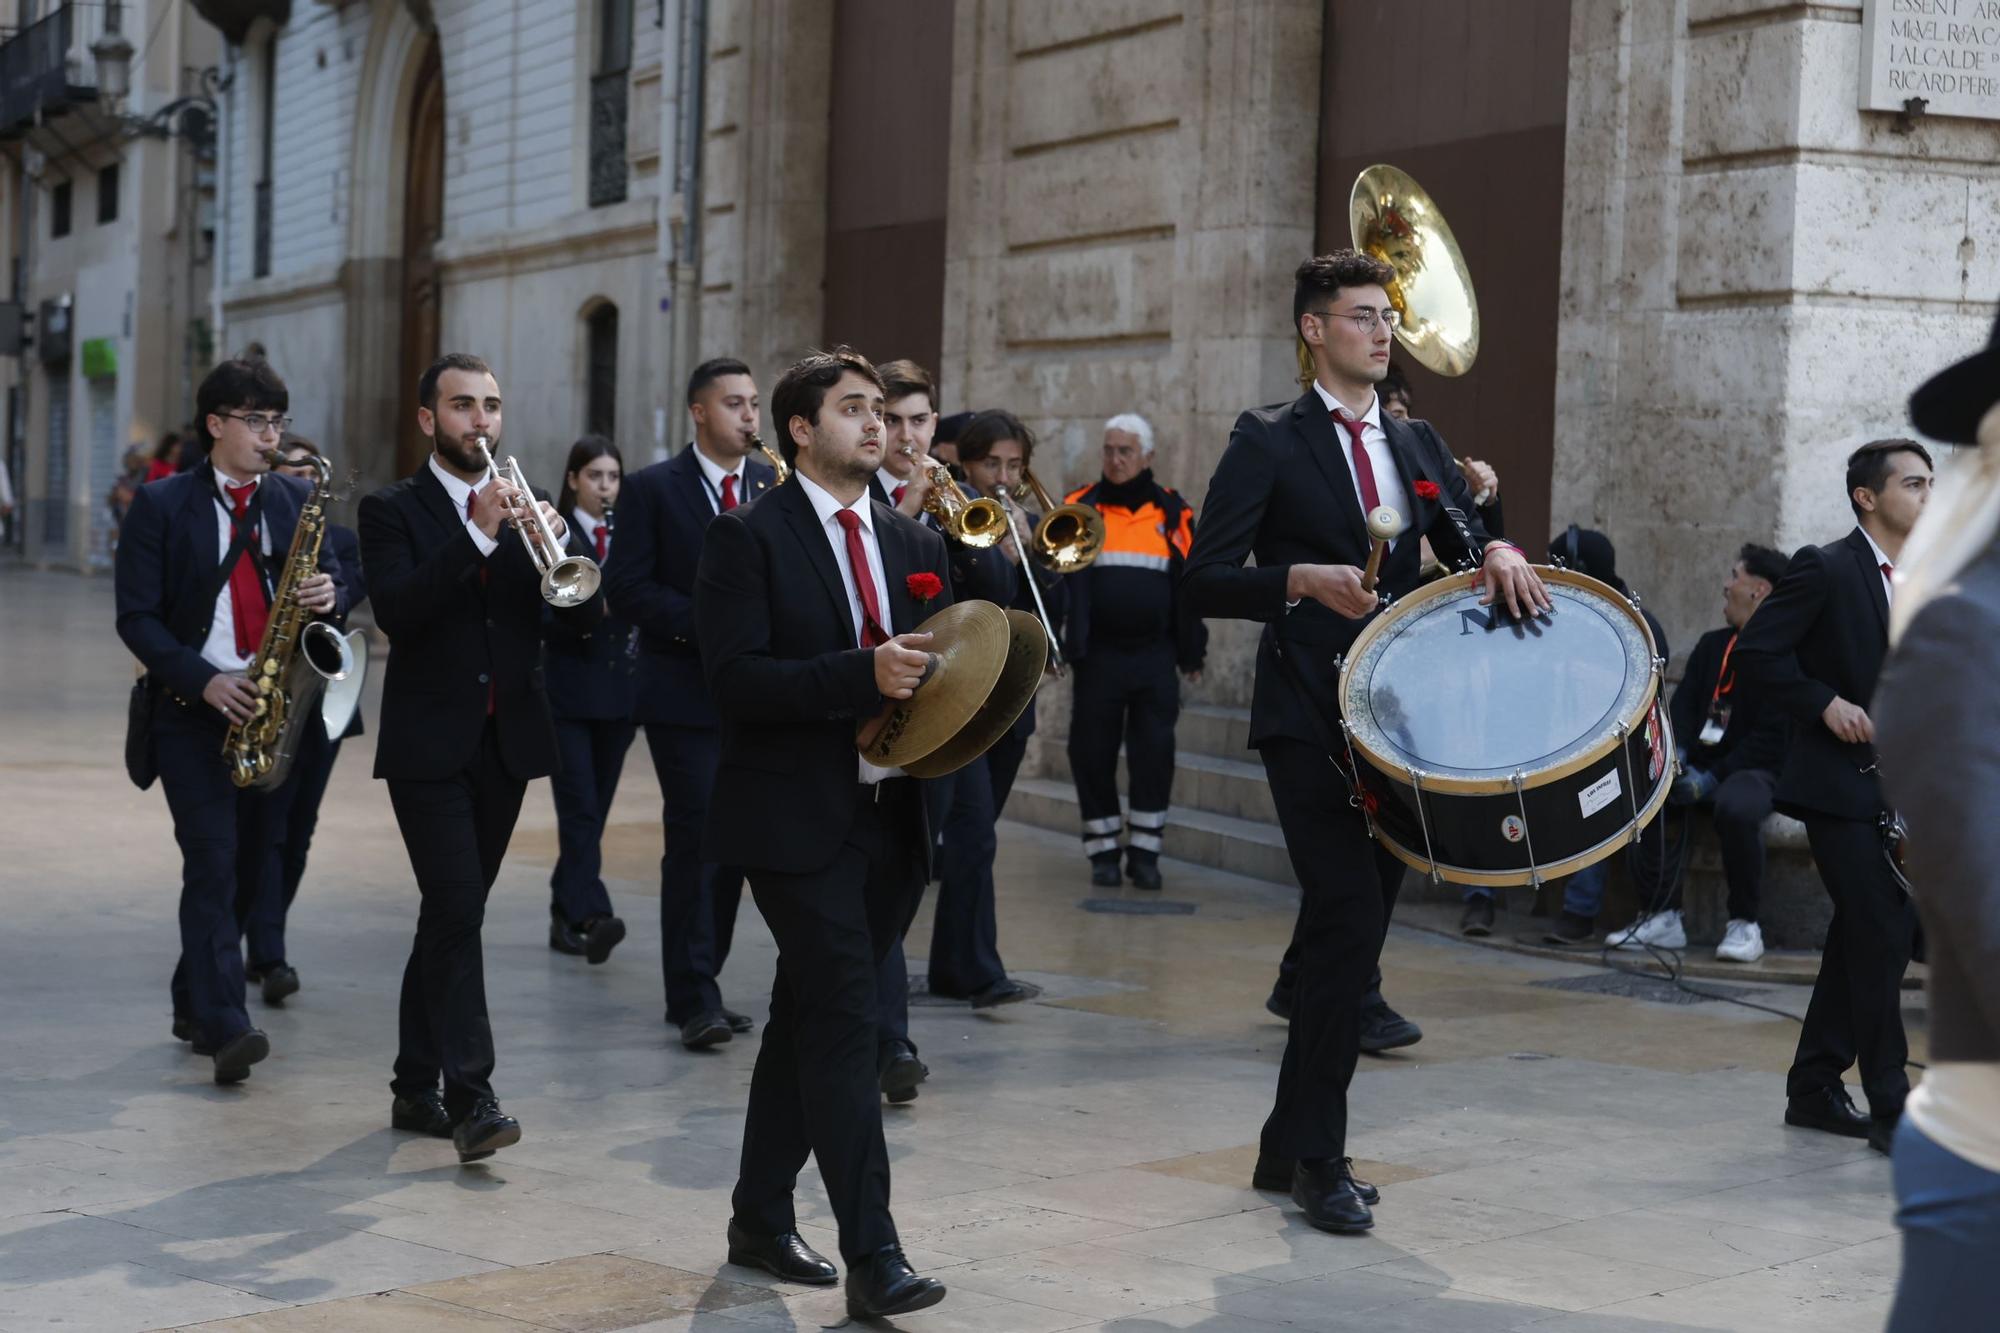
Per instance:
(1742,942)
(1662,930)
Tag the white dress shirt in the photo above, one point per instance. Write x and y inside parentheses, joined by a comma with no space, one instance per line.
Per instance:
(1388,477)
(890,481)
(1888,584)
(715,474)
(219,648)
(460,491)
(587,527)
(826,507)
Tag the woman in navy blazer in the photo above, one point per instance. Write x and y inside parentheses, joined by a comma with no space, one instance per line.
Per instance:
(593,685)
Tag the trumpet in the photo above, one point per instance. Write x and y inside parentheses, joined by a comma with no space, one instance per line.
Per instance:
(567,580)
(1068,537)
(976,523)
(771,456)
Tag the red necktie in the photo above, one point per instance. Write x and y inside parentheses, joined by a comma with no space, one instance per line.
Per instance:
(1889,573)
(728,493)
(1364,471)
(896,496)
(248,603)
(603,539)
(492,687)
(872,633)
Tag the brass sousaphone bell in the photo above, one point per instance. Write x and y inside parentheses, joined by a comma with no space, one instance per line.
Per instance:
(986,664)
(1393,219)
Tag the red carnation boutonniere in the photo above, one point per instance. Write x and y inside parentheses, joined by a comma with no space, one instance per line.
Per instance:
(1427,490)
(923,587)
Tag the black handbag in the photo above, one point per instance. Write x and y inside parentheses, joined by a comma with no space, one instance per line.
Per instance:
(139,762)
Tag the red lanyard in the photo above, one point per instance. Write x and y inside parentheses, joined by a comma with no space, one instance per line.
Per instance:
(1724,682)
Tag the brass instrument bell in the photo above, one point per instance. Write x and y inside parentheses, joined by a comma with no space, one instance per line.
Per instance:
(1068,537)
(1394,220)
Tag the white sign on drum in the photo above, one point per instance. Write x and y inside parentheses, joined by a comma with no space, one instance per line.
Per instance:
(1599,794)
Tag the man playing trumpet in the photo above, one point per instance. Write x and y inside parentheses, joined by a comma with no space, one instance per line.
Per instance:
(465,725)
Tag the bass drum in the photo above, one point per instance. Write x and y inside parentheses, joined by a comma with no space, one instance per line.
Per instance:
(1489,751)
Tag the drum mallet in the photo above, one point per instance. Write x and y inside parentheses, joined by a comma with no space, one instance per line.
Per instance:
(1383,525)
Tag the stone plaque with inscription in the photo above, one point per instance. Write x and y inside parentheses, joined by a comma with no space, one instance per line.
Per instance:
(1944,51)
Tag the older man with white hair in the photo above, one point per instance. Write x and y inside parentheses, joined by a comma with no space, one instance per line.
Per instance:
(1130,643)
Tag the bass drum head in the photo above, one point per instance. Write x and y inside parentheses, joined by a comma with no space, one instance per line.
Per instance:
(1469,697)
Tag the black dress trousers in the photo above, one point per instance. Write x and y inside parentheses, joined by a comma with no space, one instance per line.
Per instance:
(815,1089)
(1343,914)
(456,830)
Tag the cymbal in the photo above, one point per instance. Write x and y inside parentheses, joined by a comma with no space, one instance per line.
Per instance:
(969,645)
(1027,658)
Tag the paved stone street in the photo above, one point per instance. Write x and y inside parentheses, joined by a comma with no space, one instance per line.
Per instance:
(1550,1158)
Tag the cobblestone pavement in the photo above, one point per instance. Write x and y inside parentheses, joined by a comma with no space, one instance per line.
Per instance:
(1550,1159)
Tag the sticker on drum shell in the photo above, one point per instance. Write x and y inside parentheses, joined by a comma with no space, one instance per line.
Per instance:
(1656,743)
(1512,829)
(1599,794)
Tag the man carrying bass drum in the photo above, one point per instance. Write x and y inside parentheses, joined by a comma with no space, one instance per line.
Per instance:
(1293,489)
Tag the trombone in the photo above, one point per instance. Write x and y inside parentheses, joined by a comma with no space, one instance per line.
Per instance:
(1034,584)
(1069,536)
(974,523)
(567,580)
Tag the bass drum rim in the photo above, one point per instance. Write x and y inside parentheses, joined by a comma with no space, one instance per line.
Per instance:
(1488,879)
(1453,786)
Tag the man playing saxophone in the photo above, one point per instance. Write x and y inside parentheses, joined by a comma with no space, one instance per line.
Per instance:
(465,723)
(195,574)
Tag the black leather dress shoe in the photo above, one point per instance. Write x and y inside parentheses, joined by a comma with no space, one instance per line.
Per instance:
(484,1131)
(1326,1192)
(1104,874)
(234,1057)
(1383,1029)
(183,1028)
(1275,1174)
(739,1022)
(1004,991)
(421,1114)
(564,938)
(601,935)
(704,1030)
(1882,1134)
(279,981)
(785,1255)
(1279,1002)
(902,1071)
(883,1284)
(1477,918)
(1829,1109)
(1144,872)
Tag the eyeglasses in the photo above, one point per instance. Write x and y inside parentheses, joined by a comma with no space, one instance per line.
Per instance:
(1364,319)
(258,422)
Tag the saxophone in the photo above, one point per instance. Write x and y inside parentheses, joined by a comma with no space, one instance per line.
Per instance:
(296,659)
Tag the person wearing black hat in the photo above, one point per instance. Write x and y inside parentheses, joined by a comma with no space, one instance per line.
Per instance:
(1941,768)
(1814,650)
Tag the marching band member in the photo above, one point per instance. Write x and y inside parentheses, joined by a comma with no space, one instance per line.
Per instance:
(591,692)
(663,513)
(964,954)
(995,449)
(313,767)
(465,725)
(804,606)
(196,566)
(1293,489)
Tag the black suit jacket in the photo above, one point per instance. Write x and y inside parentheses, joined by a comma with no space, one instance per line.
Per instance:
(1822,633)
(592,668)
(168,570)
(1282,493)
(663,510)
(454,636)
(789,680)
(1756,735)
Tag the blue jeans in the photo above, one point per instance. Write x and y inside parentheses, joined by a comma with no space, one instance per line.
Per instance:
(1583,892)
(1949,1210)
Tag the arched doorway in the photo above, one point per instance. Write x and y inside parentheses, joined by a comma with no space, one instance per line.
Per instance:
(423,223)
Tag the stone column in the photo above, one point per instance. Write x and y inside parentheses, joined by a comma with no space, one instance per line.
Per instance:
(1131,186)
(763,193)
(1756,274)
